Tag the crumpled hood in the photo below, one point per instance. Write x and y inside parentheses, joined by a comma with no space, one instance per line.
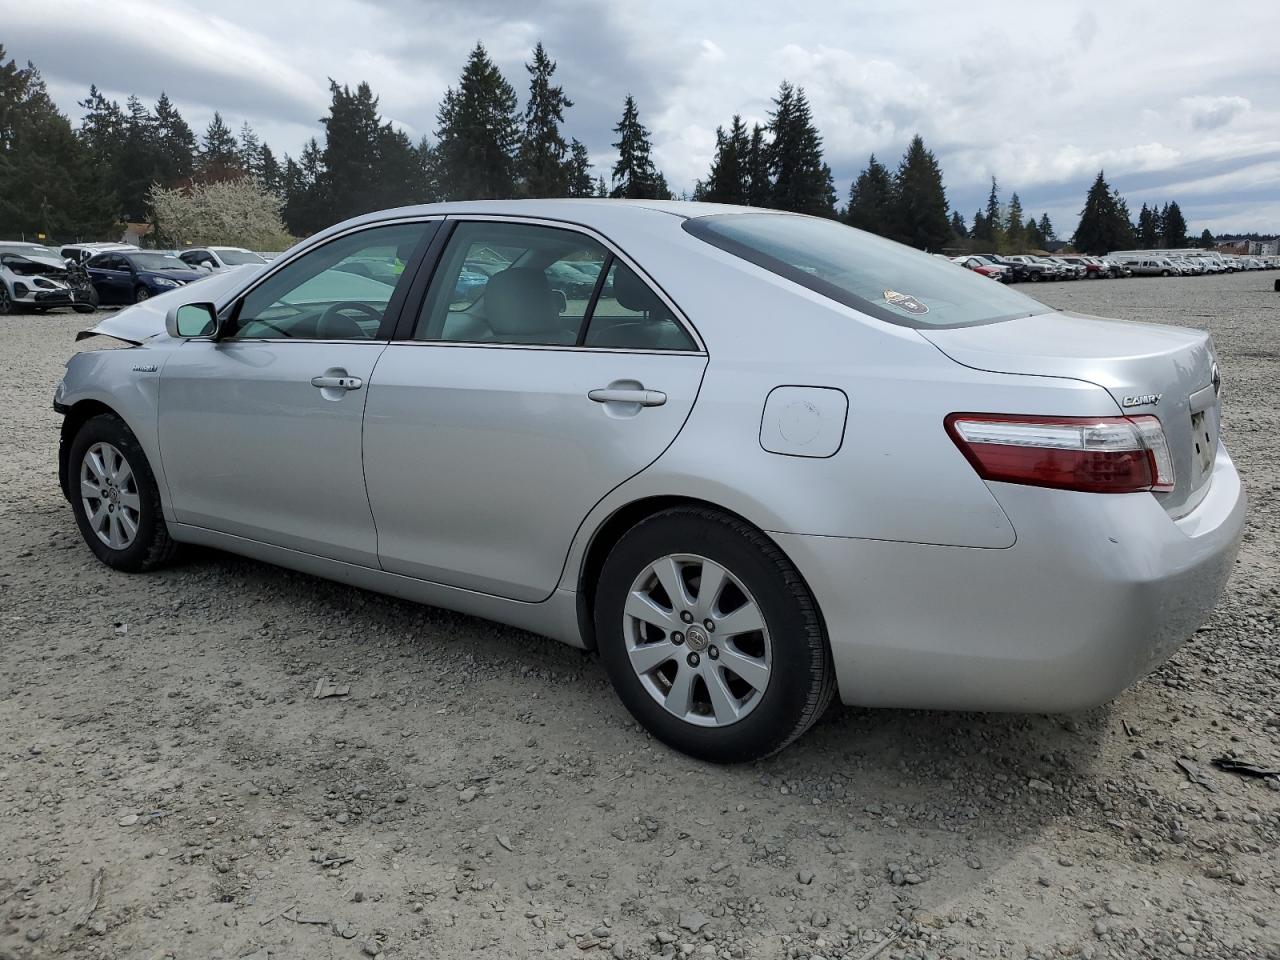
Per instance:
(145,320)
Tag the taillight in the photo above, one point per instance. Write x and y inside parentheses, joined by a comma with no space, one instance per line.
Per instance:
(1091,454)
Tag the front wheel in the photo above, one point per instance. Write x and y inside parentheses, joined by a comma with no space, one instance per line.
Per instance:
(140,294)
(6,301)
(115,498)
(710,636)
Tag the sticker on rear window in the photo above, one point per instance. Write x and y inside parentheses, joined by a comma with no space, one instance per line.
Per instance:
(904,301)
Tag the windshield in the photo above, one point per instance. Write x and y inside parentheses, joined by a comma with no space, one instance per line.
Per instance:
(878,277)
(157,261)
(233,258)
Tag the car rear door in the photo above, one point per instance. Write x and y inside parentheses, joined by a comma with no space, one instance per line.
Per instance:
(260,431)
(541,372)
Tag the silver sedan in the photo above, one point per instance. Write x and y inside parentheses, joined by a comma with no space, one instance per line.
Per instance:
(754,459)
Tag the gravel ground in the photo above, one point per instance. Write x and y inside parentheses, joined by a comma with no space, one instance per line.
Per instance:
(170,787)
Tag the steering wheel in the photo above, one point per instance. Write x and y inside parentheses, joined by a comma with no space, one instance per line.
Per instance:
(338,308)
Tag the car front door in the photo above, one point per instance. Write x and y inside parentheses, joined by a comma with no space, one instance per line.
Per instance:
(540,372)
(260,430)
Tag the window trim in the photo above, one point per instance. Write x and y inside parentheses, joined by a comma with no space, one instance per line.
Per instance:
(421,287)
(395,306)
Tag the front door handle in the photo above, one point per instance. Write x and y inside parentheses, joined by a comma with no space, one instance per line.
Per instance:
(645,398)
(337,383)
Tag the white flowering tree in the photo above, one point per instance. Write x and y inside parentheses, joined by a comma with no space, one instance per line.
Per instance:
(239,212)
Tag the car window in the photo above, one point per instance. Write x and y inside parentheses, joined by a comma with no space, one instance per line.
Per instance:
(338,291)
(874,276)
(512,283)
(628,314)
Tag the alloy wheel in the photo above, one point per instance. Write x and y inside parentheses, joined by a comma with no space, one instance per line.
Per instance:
(697,640)
(109,493)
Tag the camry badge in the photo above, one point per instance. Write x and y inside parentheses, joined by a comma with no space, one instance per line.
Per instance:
(1141,401)
(145,368)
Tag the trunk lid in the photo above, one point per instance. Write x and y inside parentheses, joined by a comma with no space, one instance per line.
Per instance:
(1134,362)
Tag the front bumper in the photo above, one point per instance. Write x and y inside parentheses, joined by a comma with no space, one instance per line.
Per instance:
(1097,591)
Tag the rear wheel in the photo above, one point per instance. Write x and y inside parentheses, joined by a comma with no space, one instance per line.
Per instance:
(115,498)
(711,637)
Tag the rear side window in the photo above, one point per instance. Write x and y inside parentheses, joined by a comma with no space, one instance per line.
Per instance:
(878,277)
(629,315)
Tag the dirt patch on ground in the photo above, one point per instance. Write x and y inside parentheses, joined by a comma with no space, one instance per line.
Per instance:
(170,786)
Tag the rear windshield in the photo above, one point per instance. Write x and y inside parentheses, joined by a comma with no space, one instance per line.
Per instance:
(878,277)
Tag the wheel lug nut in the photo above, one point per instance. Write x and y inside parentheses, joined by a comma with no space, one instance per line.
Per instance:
(686,616)
(711,627)
(693,659)
(677,638)
(713,653)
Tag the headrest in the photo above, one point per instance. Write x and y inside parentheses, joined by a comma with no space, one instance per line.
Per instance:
(633,294)
(519,301)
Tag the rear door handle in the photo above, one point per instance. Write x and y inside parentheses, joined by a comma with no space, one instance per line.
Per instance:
(646,398)
(337,383)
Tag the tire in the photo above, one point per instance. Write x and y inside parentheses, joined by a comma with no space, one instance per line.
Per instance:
(135,501)
(759,717)
(141,293)
(6,301)
(82,308)
(1164,273)
(1035,276)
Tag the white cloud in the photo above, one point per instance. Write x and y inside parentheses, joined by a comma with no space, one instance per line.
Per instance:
(1161,96)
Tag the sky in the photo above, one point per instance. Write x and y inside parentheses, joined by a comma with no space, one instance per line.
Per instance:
(1174,100)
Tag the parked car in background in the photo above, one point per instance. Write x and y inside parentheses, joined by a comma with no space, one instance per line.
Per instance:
(1018,272)
(1149,267)
(212,259)
(33,281)
(1092,269)
(81,252)
(1070,271)
(996,271)
(131,276)
(1045,269)
(657,474)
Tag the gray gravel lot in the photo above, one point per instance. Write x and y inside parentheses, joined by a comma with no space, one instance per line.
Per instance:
(170,787)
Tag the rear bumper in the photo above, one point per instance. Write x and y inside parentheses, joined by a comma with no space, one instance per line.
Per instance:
(1097,591)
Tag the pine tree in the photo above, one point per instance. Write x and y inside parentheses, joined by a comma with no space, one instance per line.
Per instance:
(1104,223)
(269,170)
(138,161)
(544,169)
(759,186)
(801,181)
(1046,229)
(1014,239)
(995,222)
(871,200)
(979,231)
(304,207)
(176,143)
(602,188)
(920,200)
(1148,234)
(1175,227)
(219,157)
(478,135)
(958,228)
(348,180)
(101,128)
(634,175)
(50,185)
(580,181)
(728,180)
(1206,240)
(250,150)
(1031,236)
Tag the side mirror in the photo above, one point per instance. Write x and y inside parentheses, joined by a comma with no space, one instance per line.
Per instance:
(188,320)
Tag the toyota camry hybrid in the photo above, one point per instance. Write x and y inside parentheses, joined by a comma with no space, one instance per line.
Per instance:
(755,459)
